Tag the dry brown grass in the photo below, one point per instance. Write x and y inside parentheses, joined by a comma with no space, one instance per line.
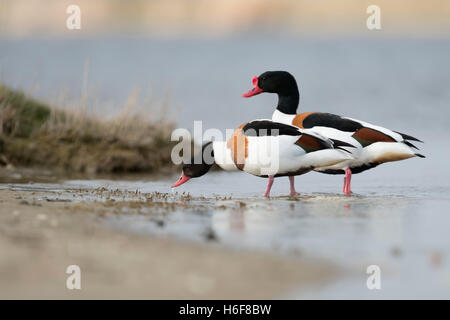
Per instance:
(35,134)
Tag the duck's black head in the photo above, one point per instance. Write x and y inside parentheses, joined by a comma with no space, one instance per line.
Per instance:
(198,166)
(280,82)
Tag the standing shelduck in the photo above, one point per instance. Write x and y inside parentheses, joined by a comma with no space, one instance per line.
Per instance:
(373,145)
(268,149)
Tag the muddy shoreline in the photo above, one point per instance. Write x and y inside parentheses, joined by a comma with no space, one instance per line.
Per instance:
(218,238)
(41,235)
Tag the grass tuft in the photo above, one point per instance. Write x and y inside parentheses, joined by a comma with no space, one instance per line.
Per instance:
(33,133)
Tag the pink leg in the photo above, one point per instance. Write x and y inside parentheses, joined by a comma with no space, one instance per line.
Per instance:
(292,187)
(348,180)
(269,186)
(345,183)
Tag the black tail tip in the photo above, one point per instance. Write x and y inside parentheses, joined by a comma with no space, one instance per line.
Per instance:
(409,144)
(408,137)
(420,155)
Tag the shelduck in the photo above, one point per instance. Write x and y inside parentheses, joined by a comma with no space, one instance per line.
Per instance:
(268,149)
(372,145)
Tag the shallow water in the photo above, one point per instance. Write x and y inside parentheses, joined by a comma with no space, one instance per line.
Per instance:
(402,229)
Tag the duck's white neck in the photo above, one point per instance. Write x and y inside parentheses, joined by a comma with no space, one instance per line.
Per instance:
(279,116)
(222,156)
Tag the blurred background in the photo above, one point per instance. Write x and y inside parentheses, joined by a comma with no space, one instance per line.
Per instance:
(201,55)
(195,58)
(224,17)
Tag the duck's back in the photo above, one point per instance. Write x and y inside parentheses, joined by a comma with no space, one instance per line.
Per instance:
(265,147)
(344,128)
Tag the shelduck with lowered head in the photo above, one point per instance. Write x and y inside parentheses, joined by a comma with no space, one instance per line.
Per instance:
(268,149)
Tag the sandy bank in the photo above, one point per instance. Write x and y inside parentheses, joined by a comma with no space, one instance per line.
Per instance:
(40,238)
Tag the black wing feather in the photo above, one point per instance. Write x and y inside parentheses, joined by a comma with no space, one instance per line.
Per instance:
(339,143)
(260,128)
(330,120)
